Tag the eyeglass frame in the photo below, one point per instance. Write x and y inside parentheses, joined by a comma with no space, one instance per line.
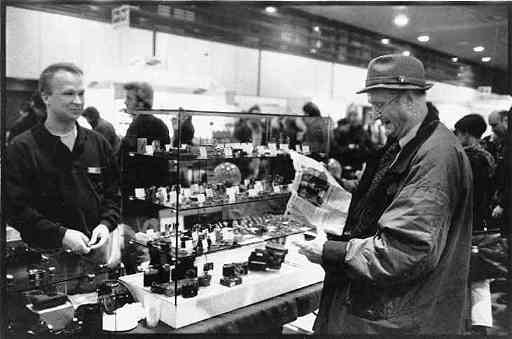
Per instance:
(378,113)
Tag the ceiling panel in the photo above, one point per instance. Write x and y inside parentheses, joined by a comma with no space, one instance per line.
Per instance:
(454,30)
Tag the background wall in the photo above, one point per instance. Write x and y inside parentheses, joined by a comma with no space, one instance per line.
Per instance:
(111,55)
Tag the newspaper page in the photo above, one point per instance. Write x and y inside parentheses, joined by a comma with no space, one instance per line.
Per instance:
(317,198)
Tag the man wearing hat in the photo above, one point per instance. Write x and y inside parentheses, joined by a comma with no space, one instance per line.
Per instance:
(402,262)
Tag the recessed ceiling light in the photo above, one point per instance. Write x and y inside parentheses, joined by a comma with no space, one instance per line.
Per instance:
(406,53)
(270,9)
(401,20)
(486,59)
(455,59)
(316,29)
(479,48)
(423,38)
(384,41)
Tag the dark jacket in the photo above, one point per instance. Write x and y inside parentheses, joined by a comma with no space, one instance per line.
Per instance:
(407,273)
(483,167)
(351,148)
(50,189)
(106,129)
(150,127)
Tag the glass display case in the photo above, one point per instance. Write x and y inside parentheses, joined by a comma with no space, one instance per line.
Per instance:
(208,228)
(210,208)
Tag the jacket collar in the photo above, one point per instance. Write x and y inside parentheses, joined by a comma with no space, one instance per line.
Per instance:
(48,142)
(427,127)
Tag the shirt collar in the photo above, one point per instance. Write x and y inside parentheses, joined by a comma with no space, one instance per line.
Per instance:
(409,136)
(49,141)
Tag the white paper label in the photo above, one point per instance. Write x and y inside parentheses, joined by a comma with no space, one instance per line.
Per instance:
(253,193)
(201,198)
(272,146)
(284,147)
(305,149)
(228,153)
(140,193)
(232,197)
(209,193)
(277,189)
(186,192)
(202,152)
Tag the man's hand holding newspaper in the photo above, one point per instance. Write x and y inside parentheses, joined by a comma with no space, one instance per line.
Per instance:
(317,200)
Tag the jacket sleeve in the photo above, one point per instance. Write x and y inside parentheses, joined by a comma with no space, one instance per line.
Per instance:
(35,228)
(111,204)
(413,229)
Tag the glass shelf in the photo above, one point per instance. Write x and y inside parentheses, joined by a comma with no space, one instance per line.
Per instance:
(208,208)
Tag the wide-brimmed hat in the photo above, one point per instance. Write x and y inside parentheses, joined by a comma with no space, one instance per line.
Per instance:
(395,71)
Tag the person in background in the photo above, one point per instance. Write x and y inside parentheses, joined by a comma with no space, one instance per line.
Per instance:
(62,183)
(469,130)
(31,112)
(139,96)
(401,265)
(187,130)
(495,144)
(313,131)
(351,145)
(102,126)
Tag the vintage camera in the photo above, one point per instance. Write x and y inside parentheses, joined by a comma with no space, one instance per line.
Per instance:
(113,295)
(206,278)
(258,260)
(189,287)
(276,254)
(184,269)
(229,276)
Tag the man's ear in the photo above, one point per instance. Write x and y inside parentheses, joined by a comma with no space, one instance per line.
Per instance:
(44,97)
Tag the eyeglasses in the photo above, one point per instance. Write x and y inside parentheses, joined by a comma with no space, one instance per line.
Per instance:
(379,107)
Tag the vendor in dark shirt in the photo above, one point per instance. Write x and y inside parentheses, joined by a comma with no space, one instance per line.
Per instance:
(62,187)
(139,96)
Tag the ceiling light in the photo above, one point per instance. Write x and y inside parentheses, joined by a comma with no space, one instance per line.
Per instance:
(423,38)
(318,44)
(316,29)
(270,9)
(406,53)
(313,50)
(384,41)
(479,48)
(401,20)
(486,59)
(455,59)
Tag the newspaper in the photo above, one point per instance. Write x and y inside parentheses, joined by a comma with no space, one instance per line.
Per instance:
(317,199)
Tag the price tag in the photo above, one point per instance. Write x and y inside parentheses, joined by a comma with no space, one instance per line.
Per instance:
(201,198)
(204,242)
(277,189)
(149,150)
(232,197)
(173,196)
(253,193)
(284,147)
(258,186)
(305,149)
(228,153)
(140,193)
(209,193)
(202,152)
